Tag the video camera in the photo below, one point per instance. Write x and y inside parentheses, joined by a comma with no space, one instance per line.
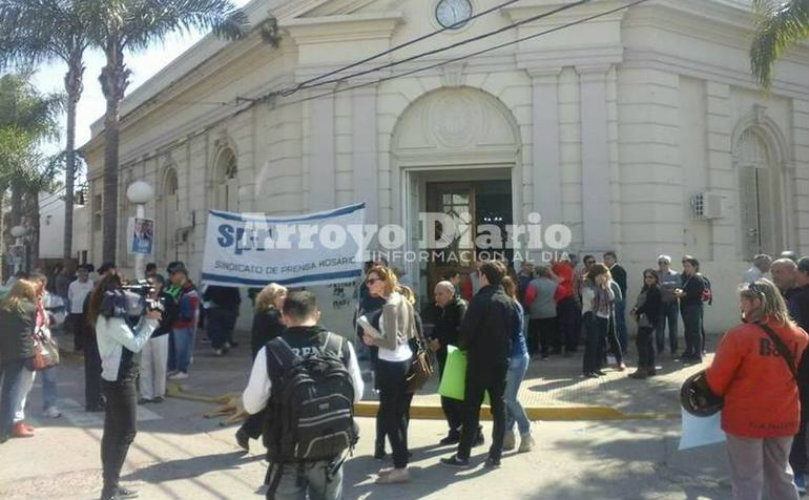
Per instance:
(147,291)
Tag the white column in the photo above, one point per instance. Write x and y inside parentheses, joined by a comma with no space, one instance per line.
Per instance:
(322,184)
(547,176)
(365,151)
(595,158)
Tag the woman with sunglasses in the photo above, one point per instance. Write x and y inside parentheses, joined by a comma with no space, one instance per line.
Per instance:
(754,370)
(647,313)
(397,325)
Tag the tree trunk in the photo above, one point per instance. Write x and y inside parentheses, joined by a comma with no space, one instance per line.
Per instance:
(113,78)
(73,86)
(32,210)
(16,201)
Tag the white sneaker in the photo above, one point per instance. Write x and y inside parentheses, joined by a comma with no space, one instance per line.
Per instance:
(527,443)
(52,412)
(218,352)
(178,376)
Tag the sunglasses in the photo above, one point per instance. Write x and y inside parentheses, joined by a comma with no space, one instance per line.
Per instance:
(757,289)
(649,277)
(371,281)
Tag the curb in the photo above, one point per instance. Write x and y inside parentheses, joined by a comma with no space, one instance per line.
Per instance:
(369,409)
(550,413)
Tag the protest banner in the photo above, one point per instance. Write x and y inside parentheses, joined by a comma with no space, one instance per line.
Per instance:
(246,250)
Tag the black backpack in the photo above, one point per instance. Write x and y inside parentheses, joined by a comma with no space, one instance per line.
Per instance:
(310,414)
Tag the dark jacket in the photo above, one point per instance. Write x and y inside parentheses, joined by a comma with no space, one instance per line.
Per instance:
(653,305)
(223,296)
(693,288)
(17,333)
(266,326)
(619,276)
(486,330)
(448,322)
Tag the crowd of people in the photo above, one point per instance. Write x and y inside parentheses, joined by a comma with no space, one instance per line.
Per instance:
(501,320)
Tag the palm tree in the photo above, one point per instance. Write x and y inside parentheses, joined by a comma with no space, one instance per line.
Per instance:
(39,31)
(26,119)
(782,24)
(118,26)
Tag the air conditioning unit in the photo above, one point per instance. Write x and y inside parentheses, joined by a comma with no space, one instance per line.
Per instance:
(707,206)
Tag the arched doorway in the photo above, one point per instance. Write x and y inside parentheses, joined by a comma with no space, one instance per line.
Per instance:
(762,200)
(225,182)
(456,151)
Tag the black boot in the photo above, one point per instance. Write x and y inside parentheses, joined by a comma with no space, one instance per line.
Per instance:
(379,451)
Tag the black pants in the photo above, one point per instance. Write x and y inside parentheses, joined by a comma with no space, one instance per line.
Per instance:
(453,409)
(479,380)
(254,425)
(543,335)
(93,399)
(645,345)
(119,430)
(568,314)
(393,407)
(74,324)
(798,455)
(221,323)
(692,324)
(596,331)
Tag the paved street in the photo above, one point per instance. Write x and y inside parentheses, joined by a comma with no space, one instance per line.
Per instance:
(178,454)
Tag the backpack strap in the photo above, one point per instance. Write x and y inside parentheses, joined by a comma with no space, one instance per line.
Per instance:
(280,356)
(782,348)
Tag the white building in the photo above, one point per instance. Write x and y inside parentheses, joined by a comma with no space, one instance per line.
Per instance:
(52,229)
(610,126)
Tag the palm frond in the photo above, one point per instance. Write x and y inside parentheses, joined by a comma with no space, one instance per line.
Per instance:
(153,20)
(780,26)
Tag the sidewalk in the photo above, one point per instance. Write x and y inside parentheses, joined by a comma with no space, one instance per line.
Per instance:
(553,389)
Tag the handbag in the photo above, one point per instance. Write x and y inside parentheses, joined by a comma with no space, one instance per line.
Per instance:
(421,367)
(643,321)
(46,352)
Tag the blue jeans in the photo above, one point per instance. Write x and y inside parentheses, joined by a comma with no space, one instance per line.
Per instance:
(11,372)
(620,324)
(183,339)
(668,313)
(517,366)
(50,393)
(310,478)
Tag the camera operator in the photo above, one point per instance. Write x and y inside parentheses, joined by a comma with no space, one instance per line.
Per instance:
(123,325)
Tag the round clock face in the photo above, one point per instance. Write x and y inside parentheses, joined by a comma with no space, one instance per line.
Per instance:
(453,14)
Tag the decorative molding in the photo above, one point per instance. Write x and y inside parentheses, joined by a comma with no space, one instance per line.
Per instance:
(453,74)
(344,28)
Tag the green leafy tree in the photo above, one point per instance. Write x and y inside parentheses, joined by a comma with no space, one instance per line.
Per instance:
(33,32)
(27,118)
(121,26)
(781,25)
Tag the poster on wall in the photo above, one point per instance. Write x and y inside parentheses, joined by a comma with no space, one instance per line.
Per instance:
(140,235)
(247,250)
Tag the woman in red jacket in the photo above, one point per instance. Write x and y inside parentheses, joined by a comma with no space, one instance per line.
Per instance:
(761,413)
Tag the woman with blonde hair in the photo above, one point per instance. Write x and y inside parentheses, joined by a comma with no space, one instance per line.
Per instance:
(17,321)
(268,323)
(755,371)
(397,326)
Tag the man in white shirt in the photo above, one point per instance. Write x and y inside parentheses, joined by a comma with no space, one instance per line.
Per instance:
(761,266)
(324,478)
(76,293)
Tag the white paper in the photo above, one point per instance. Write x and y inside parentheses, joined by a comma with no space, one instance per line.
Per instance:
(368,328)
(701,431)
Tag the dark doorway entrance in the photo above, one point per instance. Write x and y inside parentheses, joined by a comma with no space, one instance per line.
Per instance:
(486,203)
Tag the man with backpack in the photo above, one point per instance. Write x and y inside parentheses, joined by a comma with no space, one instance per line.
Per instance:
(308,379)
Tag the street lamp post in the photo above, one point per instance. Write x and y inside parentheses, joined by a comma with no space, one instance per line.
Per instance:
(140,193)
(17,232)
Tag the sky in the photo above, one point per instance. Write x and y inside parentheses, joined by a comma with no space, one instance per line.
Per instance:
(143,65)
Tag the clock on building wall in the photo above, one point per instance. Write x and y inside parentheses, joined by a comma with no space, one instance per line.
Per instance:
(453,14)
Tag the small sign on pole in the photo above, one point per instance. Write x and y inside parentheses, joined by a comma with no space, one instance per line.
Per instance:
(140,236)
